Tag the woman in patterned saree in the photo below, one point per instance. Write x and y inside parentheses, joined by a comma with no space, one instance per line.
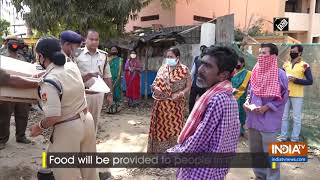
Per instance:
(170,87)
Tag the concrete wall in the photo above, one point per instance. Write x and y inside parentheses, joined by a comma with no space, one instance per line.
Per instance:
(298,21)
(303,37)
(316,22)
(266,9)
(205,8)
(183,12)
(166,16)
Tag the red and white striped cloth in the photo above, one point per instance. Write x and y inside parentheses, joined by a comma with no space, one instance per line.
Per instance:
(265,77)
(199,109)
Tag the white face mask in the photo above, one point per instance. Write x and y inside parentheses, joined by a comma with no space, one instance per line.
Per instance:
(133,56)
(171,61)
(73,52)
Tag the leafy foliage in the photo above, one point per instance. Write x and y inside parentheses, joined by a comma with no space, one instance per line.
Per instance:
(4,28)
(256,29)
(108,17)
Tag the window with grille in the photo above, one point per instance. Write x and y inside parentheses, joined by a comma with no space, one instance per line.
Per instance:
(150,18)
(201,18)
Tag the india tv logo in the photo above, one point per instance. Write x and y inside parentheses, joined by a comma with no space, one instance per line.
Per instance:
(288,152)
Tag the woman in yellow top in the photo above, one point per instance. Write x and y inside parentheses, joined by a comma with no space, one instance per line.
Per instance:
(170,87)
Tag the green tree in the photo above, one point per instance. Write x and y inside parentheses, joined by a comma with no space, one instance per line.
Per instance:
(254,30)
(108,17)
(4,28)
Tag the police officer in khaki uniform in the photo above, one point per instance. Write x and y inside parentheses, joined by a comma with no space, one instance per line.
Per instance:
(70,41)
(92,62)
(21,110)
(15,82)
(12,50)
(5,107)
(4,48)
(65,108)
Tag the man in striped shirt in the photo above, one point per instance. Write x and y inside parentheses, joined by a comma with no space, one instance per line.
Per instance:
(213,125)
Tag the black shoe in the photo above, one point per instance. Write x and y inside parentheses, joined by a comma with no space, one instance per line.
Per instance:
(2,146)
(241,134)
(104,175)
(280,139)
(23,140)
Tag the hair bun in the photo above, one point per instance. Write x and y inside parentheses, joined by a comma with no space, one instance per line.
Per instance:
(58,58)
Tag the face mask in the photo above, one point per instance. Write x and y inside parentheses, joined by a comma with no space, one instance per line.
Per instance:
(13,47)
(114,53)
(73,52)
(171,61)
(238,66)
(133,56)
(41,64)
(294,55)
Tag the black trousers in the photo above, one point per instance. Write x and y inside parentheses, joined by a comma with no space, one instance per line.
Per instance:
(21,114)
(194,93)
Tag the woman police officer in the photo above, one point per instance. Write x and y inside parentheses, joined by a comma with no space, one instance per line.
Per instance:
(65,108)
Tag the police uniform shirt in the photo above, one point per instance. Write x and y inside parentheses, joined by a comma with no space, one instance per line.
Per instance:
(93,63)
(4,77)
(19,56)
(70,64)
(71,37)
(73,94)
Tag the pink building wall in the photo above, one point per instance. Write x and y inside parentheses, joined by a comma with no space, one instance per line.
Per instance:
(186,10)
(166,16)
(265,9)
(183,12)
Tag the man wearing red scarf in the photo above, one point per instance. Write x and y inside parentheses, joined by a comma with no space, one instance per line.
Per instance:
(267,96)
(213,125)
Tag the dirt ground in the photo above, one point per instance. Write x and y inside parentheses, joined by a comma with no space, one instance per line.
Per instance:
(127,132)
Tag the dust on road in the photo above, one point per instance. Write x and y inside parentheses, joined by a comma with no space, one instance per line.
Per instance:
(126,131)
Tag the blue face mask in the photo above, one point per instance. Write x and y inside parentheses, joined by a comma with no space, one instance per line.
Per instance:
(171,61)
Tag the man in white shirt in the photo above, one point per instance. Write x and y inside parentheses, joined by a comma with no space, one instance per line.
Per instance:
(92,62)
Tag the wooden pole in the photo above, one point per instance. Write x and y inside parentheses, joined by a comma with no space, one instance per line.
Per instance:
(146,74)
(195,27)
(246,16)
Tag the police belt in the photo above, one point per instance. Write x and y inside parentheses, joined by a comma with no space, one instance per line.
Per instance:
(77,116)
